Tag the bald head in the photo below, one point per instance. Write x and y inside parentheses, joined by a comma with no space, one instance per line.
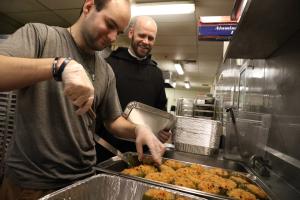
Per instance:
(142,34)
(145,22)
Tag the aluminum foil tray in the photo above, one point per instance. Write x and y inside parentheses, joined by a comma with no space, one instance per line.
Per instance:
(196,135)
(109,187)
(154,118)
(195,149)
(114,166)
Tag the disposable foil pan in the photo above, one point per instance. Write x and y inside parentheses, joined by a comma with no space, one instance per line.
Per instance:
(109,187)
(114,166)
(196,135)
(195,149)
(154,118)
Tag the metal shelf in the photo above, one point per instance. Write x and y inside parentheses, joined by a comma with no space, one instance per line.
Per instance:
(203,117)
(7,115)
(204,105)
(196,107)
(204,111)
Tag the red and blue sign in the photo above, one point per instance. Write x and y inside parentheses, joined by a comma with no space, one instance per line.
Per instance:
(217,30)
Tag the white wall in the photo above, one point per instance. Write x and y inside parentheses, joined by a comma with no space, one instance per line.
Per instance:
(174,94)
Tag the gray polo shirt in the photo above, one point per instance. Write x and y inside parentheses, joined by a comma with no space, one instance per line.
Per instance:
(52,146)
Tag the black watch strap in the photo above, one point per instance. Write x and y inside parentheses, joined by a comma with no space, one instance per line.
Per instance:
(58,74)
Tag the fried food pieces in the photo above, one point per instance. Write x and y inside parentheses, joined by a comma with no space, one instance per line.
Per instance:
(195,176)
(241,194)
(141,170)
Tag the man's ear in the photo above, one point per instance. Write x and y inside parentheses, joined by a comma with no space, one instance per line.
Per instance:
(130,33)
(87,6)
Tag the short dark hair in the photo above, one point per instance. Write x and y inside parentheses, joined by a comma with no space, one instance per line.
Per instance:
(100,4)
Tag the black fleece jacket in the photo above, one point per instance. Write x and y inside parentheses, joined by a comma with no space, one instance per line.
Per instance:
(140,81)
(136,80)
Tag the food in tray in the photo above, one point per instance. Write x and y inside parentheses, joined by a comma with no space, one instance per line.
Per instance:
(165,168)
(216,181)
(256,190)
(147,169)
(184,181)
(197,167)
(159,194)
(174,164)
(133,172)
(207,176)
(241,194)
(195,176)
(219,172)
(226,184)
(141,170)
(185,171)
(238,179)
(160,177)
(208,186)
(182,198)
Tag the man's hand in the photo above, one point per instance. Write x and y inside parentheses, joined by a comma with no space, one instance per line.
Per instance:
(163,136)
(78,87)
(145,136)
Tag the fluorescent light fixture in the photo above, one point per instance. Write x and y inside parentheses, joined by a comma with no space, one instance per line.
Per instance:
(178,68)
(170,8)
(187,84)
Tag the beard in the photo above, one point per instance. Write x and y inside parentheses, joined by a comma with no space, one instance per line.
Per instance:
(92,42)
(140,49)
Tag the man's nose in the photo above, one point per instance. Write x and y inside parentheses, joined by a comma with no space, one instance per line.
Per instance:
(146,41)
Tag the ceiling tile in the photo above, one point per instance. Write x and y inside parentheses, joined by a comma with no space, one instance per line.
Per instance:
(8,25)
(46,17)
(13,6)
(175,18)
(6,28)
(203,78)
(214,48)
(175,28)
(161,49)
(190,67)
(214,7)
(62,4)
(177,53)
(171,40)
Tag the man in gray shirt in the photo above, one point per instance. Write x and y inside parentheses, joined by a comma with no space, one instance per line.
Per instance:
(53,142)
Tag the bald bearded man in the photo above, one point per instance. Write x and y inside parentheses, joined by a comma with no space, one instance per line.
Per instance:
(138,78)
